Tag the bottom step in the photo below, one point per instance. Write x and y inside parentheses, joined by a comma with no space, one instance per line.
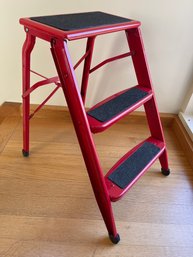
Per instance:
(131,166)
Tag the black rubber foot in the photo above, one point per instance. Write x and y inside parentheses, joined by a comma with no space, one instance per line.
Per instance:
(25,154)
(165,172)
(114,239)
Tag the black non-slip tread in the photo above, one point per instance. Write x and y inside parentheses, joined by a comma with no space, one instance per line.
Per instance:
(76,21)
(131,167)
(110,109)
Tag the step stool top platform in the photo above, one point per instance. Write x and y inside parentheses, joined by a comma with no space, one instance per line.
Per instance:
(76,21)
(84,24)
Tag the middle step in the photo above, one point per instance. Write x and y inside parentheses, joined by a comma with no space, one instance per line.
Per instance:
(115,107)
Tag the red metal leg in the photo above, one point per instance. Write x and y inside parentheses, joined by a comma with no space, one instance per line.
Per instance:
(26,51)
(87,64)
(164,163)
(156,129)
(73,97)
(143,76)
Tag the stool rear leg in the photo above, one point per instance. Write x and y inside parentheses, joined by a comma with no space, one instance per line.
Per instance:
(26,53)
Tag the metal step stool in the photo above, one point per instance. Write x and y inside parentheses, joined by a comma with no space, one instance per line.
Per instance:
(58,30)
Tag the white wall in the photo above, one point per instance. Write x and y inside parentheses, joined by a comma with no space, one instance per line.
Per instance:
(167,33)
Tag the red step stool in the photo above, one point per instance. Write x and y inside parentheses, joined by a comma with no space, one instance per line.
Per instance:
(58,30)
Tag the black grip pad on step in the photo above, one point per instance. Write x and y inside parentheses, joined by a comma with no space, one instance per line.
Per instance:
(117,105)
(131,167)
(76,21)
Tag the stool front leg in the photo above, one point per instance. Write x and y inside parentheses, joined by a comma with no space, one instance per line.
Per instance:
(26,53)
(74,100)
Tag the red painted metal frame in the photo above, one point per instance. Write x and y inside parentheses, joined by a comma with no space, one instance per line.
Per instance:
(135,42)
(70,88)
(102,188)
(54,80)
(45,101)
(39,84)
(110,60)
(87,64)
(81,59)
(26,52)
(38,74)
